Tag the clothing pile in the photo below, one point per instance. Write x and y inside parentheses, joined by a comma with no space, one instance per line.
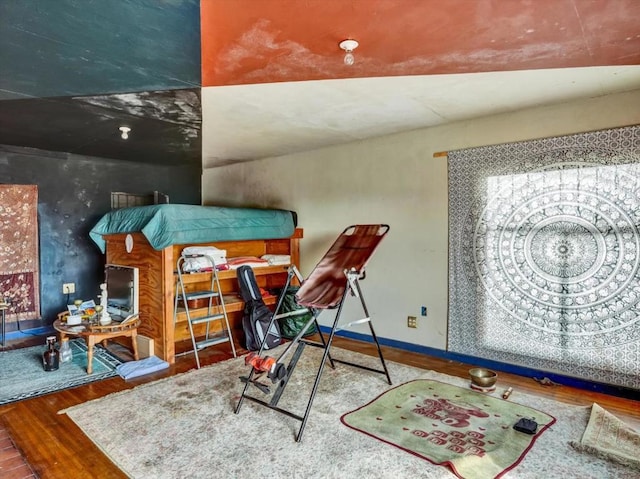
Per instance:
(255,262)
(277,259)
(251,261)
(201,263)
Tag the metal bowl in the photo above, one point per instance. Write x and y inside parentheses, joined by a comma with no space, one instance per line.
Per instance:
(484,378)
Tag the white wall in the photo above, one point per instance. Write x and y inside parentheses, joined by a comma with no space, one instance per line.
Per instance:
(396,180)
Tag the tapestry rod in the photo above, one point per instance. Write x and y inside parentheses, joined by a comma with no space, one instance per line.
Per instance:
(440,154)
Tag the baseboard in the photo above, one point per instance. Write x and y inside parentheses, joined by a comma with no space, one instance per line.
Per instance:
(579,383)
(21,334)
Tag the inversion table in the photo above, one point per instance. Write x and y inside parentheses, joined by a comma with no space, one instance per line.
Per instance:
(336,277)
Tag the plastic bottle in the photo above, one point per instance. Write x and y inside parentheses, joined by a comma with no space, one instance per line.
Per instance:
(65,351)
(51,357)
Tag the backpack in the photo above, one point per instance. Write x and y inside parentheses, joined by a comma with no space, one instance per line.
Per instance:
(256,315)
(293,317)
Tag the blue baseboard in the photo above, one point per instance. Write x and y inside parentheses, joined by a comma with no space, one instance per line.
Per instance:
(41,331)
(612,390)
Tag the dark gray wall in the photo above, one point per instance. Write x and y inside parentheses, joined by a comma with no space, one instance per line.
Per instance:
(73,193)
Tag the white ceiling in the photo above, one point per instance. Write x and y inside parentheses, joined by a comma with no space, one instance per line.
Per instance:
(248,122)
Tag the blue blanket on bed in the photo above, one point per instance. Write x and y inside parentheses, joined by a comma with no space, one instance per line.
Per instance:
(166,225)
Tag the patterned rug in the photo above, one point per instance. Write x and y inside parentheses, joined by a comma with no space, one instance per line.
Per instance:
(19,264)
(22,375)
(468,431)
(608,437)
(544,254)
(185,426)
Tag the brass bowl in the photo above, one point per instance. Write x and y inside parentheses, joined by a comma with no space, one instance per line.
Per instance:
(482,377)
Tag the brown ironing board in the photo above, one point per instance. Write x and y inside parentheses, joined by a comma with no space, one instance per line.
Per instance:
(336,275)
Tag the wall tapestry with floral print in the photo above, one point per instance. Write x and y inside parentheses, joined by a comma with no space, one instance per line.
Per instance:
(19,263)
(544,254)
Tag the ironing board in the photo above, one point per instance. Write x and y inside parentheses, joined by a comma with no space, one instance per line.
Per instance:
(335,278)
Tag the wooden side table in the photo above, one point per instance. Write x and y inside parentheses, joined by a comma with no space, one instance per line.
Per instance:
(94,334)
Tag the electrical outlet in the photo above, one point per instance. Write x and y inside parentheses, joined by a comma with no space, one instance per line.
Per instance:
(423,311)
(412,322)
(68,288)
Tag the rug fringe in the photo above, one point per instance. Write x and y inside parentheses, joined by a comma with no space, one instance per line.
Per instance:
(604,455)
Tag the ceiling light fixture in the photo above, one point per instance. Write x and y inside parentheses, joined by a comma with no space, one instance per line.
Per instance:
(349,46)
(124,132)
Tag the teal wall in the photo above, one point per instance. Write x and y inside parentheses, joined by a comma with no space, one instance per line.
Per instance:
(73,193)
(72,72)
(80,47)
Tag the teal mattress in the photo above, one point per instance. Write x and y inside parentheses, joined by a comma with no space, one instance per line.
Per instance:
(166,225)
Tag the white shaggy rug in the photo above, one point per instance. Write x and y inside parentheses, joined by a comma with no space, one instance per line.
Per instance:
(185,426)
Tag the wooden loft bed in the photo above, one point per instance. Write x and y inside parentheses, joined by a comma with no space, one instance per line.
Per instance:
(157,282)
(151,238)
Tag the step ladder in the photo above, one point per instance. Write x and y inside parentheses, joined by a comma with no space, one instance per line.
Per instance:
(216,310)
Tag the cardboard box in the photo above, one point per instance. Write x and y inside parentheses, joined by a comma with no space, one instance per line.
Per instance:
(145,346)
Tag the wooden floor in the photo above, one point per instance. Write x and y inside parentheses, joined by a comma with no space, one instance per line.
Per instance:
(54,447)
(12,464)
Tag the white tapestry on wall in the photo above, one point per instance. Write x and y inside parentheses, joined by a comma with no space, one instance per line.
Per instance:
(544,254)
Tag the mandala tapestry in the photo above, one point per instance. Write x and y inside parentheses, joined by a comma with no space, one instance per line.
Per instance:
(544,254)
(19,263)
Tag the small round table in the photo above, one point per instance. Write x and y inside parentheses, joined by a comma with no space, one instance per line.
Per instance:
(95,333)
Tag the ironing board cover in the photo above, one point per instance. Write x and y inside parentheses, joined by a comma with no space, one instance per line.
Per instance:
(326,284)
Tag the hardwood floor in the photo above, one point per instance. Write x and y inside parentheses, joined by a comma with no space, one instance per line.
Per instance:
(12,463)
(54,447)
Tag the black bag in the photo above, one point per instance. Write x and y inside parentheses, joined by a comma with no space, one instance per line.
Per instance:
(256,315)
(291,324)
(528,426)
(255,323)
(248,286)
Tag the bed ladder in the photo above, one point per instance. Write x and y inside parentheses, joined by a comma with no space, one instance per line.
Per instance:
(216,311)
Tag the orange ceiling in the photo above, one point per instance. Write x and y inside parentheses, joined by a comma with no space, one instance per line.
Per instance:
(264,41)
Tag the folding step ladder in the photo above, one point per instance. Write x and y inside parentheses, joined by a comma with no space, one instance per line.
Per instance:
(216,310)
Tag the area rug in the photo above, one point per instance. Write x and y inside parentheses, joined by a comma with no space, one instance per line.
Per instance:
(468,431)
(185,426)
(22,375)
(19,264)
(608,437)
